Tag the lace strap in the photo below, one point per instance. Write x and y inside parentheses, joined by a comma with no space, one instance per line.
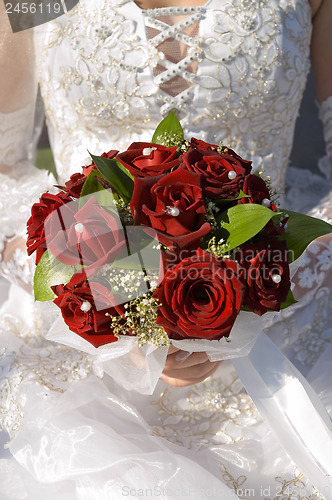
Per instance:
(21,186)
(14,150)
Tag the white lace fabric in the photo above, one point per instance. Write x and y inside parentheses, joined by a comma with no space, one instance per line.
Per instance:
(108,75)
(14,146)
(19,191)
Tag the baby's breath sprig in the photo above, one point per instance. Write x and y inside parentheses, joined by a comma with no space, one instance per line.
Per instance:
(124,212)
(126,282)
(222,149)
(170,139)
(130,283)
(184,146)
(212,207)
(211,210)
(218,248)
(159,246)
(139,319)
(274,195)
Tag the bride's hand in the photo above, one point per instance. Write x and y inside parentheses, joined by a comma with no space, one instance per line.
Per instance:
(182,369)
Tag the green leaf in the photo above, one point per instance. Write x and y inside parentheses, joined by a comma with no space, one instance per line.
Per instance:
(140,252)
(45,160)
(242,195)
(169,131)
(242,222)
(50,271)
(117,175)
(289,300)
(302,230)
(93,187)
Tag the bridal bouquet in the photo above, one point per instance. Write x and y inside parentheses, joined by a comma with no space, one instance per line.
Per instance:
(167,241)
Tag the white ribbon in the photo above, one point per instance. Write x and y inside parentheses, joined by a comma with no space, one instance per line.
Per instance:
(287,402)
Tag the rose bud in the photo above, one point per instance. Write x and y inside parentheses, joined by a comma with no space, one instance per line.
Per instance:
(266,272)
(256,188)
(145,159)
(74,186)
(35,226)
(84,305)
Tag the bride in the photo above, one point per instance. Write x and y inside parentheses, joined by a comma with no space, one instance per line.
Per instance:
(109,70)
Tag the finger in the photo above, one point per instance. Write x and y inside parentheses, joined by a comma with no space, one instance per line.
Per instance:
(172,349)
(182,355)
(183,382)
(196,358)
(190,372)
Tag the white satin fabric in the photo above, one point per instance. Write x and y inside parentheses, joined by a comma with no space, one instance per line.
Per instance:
(73,424)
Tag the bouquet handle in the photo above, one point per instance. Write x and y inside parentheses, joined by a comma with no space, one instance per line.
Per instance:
(289,404)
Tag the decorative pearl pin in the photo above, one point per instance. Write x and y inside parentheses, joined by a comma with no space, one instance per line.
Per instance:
(276,278)
(231,174)
(266,203)
(148,151)
(174,211)
(79,228)
(85,306)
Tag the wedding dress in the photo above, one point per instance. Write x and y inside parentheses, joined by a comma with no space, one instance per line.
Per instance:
(108,72)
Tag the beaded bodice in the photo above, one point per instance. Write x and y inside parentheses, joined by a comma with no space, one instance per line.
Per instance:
(234,70)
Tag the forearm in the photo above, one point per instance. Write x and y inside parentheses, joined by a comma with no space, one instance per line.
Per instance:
(321,56)
(15,265)
(21,182)
(321,50)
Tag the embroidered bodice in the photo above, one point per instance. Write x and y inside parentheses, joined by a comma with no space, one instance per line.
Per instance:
(233,71)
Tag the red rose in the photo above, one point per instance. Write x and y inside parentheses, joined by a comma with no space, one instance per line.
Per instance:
(266,273)
(91,236)
(173,205)
(258,191)
(222,173)
(84,305)
(35,225)
(110,154)
(200,297)
(256,188)
(74,186)
(198,144)
(145,159)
